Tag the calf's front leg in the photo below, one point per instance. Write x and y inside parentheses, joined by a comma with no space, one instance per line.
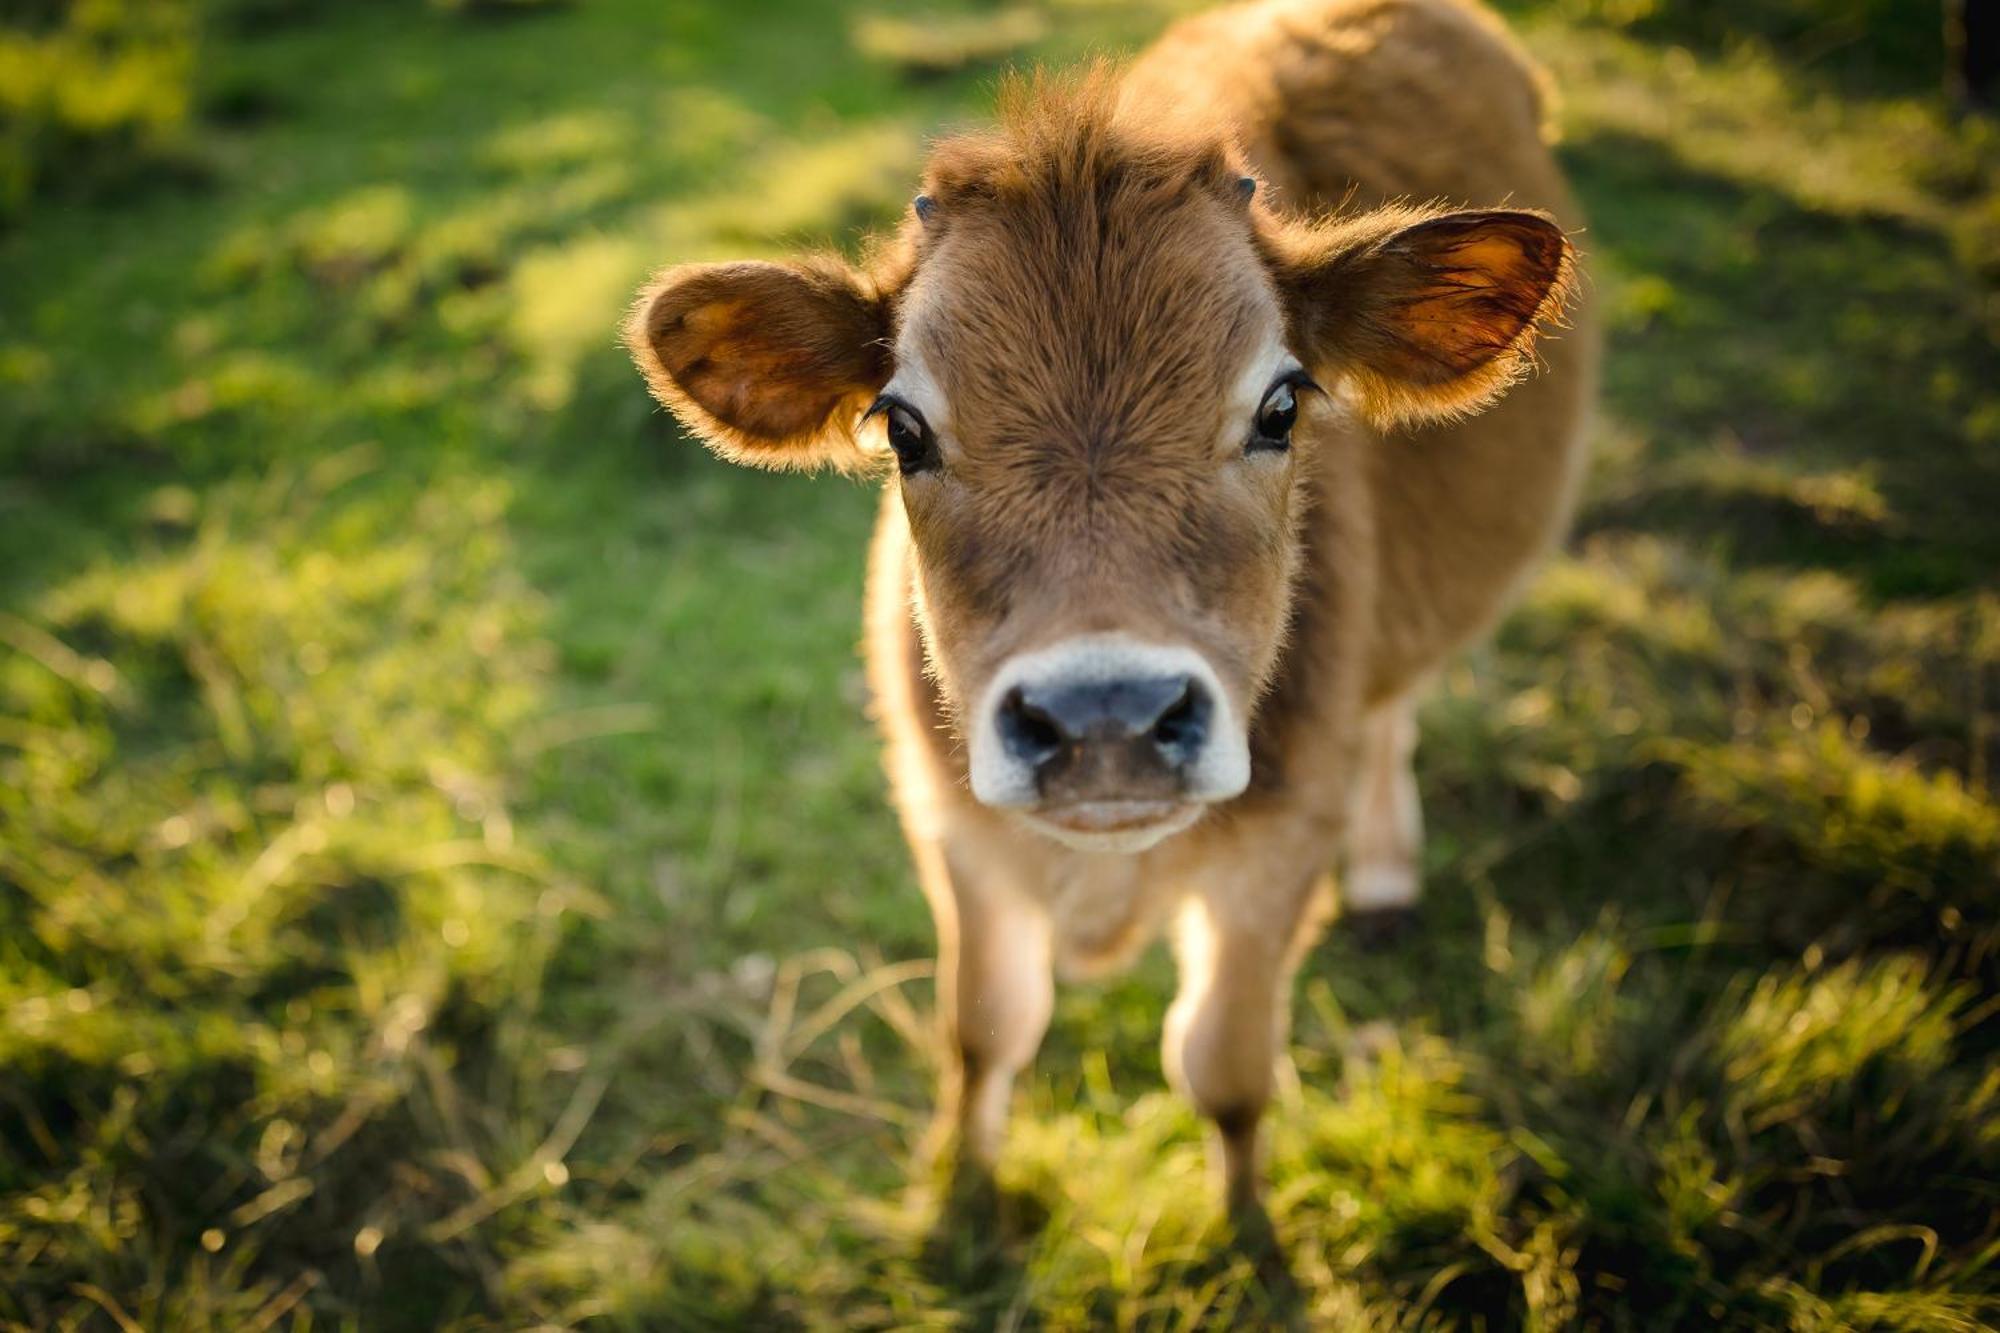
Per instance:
(1229,1021)
(995,990)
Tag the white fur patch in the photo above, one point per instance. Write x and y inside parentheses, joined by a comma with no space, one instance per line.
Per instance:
(914,384)
(1379,886)
(1123,842)
(1260,372)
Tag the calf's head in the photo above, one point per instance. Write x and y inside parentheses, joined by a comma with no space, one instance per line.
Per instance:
(1097,364)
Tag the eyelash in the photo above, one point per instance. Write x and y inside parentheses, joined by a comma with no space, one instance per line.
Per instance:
(913,455)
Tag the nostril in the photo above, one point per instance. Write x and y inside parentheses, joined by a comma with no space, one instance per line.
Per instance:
(1173,723)
(1030,735)
(1185,722)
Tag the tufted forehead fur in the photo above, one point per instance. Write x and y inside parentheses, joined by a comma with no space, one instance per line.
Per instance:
(1087,294)
(1071,248)
(1081,280)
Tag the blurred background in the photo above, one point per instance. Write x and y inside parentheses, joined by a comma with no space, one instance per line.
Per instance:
(435,891)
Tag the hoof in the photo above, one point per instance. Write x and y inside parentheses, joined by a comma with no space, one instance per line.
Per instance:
(1382,929)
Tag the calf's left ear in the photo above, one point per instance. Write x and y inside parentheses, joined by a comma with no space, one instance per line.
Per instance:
(768,364)
(1425,315)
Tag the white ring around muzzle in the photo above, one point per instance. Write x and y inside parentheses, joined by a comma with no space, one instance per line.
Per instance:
(1220,770)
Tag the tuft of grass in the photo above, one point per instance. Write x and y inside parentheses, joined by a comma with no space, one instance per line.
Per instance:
(935,44)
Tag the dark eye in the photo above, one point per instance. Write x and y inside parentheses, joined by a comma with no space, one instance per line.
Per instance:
(909,435)
(1277,414)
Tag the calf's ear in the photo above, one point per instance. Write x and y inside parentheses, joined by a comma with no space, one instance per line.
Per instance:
(768,364)
(1426,315)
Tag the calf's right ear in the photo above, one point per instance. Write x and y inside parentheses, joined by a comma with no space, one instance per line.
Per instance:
(768,364)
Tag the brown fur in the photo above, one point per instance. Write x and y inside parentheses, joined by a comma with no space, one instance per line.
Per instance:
(1087,290)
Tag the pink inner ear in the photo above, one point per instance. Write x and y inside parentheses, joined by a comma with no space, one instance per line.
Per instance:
(753,363)
(725,357)
(763,361)
(1467,298)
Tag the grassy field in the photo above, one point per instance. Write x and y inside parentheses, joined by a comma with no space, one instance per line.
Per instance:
(445,880)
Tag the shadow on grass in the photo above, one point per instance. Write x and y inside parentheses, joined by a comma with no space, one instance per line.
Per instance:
(1855,46)
(1804,342)
(1725,1003)
(976,1248)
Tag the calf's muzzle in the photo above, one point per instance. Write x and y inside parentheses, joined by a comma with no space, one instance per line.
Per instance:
(1127,738)
(1103,732)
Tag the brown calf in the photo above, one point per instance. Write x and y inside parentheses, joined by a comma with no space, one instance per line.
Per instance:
(1190,497)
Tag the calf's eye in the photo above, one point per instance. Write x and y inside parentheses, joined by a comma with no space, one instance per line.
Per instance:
(1277,414)
(909,435)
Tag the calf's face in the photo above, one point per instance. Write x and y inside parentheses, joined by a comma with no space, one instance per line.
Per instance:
(1097,366)
(1095,417)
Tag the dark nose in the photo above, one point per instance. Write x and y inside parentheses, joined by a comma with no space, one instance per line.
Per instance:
(1107,739)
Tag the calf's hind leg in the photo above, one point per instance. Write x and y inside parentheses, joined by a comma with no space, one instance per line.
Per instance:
(1385,840)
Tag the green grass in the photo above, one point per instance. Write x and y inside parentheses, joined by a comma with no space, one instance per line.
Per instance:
(445,879)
